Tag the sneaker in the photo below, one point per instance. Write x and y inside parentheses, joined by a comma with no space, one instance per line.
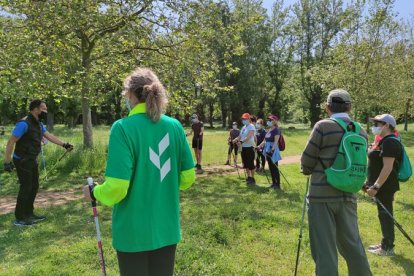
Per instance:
(382,252)
(251,180)
(36,218)
(23,222)
(374,247)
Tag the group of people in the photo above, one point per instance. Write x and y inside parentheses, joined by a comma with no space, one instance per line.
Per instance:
(149,161)
(332,213)
(257,145)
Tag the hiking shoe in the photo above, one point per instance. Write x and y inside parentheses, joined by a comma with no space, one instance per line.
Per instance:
(382,252)
(23,222)
(374,247)
(227,163)
(36,218)
(250,180)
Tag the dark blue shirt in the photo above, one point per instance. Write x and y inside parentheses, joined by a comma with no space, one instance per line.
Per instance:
(270,135)
(260,135)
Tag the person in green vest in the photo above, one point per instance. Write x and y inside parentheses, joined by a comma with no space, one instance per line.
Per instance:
(149,162)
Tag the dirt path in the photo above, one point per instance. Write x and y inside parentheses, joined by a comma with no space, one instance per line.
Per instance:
(43,199)
(49,198)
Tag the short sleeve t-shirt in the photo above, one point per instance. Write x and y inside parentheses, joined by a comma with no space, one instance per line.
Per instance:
(234,133)
(261,133)
(244,133)
(21,128)
(388,147)
(151,156)
(270,135)
(196,127)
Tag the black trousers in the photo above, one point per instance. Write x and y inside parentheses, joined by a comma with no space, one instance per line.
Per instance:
(387,223)
(274,171)
(159,262)
(233,147)
(28,174)
(260,160)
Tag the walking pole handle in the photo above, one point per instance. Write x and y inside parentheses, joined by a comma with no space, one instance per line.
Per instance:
(90,184)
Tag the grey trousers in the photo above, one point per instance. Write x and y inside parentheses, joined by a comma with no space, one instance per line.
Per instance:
(333,227)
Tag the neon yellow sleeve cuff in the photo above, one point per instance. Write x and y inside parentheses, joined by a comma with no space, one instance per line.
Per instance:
(187,179)
(112,191)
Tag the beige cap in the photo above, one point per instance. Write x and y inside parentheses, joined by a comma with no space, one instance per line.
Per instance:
(338,96)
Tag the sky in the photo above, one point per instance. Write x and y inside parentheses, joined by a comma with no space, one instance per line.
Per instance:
(405,8)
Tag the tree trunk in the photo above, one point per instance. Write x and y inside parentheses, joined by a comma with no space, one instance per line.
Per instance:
(407,109)
(50,121)
(86,110)
(315,110)
(86,121)
(94,116)
(211,111)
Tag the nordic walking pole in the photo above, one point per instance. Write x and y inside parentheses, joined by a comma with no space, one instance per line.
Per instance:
(55,165)
(264,170)
(98,231)
(280,171)
(395,222)
(44,163)
(301,226)
(235,163)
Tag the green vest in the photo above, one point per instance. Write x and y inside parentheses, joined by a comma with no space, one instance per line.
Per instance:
(151,156)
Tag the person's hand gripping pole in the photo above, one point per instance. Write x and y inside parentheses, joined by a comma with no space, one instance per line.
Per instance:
(98,231)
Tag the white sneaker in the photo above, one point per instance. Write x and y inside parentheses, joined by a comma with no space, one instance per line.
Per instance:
(382,252)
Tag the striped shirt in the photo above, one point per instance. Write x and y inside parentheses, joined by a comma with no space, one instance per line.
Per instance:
(323,146)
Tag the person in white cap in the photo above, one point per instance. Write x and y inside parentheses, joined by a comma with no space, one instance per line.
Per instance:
(382,182)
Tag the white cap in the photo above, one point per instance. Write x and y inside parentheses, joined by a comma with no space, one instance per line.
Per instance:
(385,118)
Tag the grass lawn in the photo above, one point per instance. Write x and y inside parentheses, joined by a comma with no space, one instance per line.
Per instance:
(228,228)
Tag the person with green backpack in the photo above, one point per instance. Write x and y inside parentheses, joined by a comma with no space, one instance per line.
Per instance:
(335,154)
(384,175)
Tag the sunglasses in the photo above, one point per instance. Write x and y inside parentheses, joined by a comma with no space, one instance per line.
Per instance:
(378,124)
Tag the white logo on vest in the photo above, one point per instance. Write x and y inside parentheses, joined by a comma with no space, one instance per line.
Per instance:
(155,158)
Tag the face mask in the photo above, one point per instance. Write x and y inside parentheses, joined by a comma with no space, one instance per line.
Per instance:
(258,126)
(234,127)
(128,104)
(245,122)
(376,130)
(43,117)
(269,123)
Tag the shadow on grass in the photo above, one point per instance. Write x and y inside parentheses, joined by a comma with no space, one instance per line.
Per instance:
(65,225)
(406,264)
(406,206)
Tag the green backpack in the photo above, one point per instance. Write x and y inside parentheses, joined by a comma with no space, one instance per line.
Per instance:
(349,170)
(405,169)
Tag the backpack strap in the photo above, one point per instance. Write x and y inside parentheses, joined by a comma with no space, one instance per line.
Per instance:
(356,125)
(344,126)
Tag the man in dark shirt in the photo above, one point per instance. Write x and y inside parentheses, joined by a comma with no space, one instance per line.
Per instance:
(197,127)
(27,136)
(383,168)
(233,134)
